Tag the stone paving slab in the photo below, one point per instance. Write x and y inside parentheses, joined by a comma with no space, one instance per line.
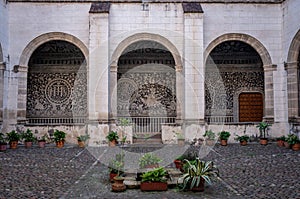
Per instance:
(252,171)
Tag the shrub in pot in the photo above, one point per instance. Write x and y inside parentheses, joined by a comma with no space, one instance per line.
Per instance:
(112,138)
(82,139)
(155,180)
(243,139)
(280,141)
(224,135)
(28,138)
(263,127)
(149,160)
(197,174)
(13,138)
(294,141)
(3,143)
(209,137)
(59,138)
(42,141)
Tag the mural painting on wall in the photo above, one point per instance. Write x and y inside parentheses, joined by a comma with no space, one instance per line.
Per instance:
(56,85)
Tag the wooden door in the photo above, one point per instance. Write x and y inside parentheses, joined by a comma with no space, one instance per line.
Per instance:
(251,107)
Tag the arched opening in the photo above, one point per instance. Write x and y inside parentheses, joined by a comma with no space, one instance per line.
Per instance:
(233,71)
(56,84)
(146,86)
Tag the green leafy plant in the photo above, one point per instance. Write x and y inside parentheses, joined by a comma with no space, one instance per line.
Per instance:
(13,136)
(224,135)
(2,139)
(263,127)
(155,175)
(210,135)
(59,135)
(292,139)
(198,171)
(242,138)
(117,165)
(28,136)
(148,159)
(112,135)
(83,138)
(282,138)
(44,138)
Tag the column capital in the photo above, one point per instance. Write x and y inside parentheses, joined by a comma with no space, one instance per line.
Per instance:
(113,68)
(291,65)
(2,65)
(269,68)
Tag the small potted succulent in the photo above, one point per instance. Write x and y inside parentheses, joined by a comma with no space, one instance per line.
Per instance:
(243,139)
(209,137)
(13,138)
(3,143)
(155,180)
(59,138)
(263,127)
(82,139)
(149,160)
(112,138)
(224,135)
(197,174)
(28,138)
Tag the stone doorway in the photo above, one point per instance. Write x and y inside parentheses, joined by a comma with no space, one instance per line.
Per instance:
(146,87)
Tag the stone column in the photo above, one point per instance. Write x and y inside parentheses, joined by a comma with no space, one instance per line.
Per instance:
(98,72)
(179,94)
(293,90)
(2,68)
(269,93)
(113,92)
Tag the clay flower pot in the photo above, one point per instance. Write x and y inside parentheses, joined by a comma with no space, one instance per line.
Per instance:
(223,142)
(263,141)
(13,144)
(41,144)
(60,144)
(243,143)
(118,185)
(296,147)
(28,144)
(3,147)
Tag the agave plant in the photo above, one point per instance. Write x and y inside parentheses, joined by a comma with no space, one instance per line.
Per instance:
(197,172)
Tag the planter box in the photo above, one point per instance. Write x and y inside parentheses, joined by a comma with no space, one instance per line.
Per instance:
(154,186)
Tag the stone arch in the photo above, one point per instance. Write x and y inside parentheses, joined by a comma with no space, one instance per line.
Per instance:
(253,42)
(146,36)
(22,68)
(266,61)
(292,68)
(30,48)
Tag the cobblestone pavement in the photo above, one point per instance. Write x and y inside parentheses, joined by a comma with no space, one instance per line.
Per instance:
(252,171)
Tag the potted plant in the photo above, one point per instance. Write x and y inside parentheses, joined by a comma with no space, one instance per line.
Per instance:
(155,180)
(280,141)
(294,141)
(180,139)
(82,139)
(117,166)
(59,138)
(197,174)
(263,127)
(3,143)
(149,160)
(179,162)
(13,138)
(243,139)
(209,137)
(28,138)
(42,141)
(123,122)
(224,135)
(112,138)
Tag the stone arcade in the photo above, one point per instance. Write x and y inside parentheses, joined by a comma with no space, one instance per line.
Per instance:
(168,66)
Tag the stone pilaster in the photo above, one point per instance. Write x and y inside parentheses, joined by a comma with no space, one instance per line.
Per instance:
(98,72)
(2,68)
(269,93)
(293,89)
(113,92)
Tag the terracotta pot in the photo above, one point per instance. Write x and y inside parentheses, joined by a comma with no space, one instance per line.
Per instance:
(154,186)
(113,143)
(280,143)
(118,185)
(263,141)
(243,143)
(60,144)
(42,144)
(287,145)
(200,187)
(111,176)
(28,144)
(81,144)
(13,144)
(224,142)
(178,164)
(3,147)
(296,147)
